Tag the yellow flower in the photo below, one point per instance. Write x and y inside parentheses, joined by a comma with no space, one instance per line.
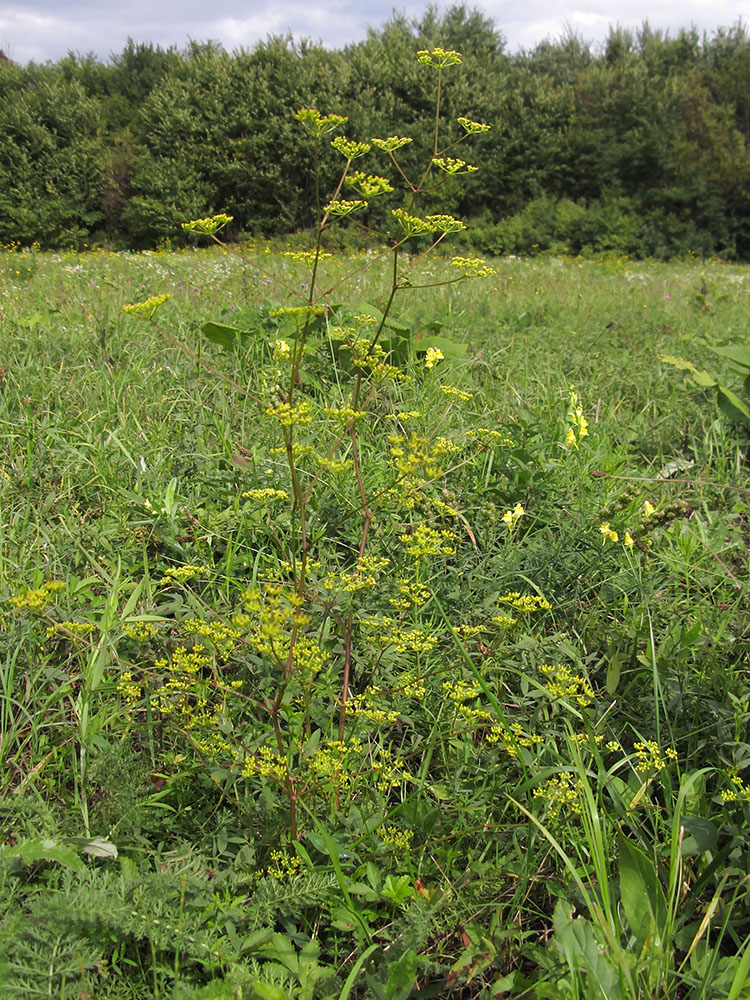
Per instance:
(608,535)
(648,509)
(433,356)
(628,541)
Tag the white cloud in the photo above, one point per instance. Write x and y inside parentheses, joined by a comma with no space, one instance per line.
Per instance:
(47,29)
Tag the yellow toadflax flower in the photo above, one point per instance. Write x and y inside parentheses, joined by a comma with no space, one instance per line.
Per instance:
(433,356)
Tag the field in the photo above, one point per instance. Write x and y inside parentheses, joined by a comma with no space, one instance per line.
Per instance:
(330,671)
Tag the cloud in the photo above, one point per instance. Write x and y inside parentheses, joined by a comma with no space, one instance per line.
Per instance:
(48,29)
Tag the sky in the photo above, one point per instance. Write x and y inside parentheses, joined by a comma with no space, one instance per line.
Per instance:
(48,29)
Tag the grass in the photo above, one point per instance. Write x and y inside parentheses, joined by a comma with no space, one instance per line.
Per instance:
(536,795)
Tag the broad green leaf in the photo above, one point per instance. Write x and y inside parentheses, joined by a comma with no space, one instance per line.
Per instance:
(737,353)
(577,943)
(225,336)
(700,836)
(30,851)
(701,377)
(613,674)
(269,991)
(450,348)
(641,892)
(732,406)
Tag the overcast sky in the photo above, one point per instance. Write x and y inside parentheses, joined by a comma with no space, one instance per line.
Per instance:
(48,29)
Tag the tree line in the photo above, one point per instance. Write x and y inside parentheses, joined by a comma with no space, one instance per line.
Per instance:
(641,146)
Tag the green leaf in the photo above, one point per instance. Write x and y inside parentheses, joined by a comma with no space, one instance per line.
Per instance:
(732,406)
(577,943)
(700,377)
(700,836)
(613,674)
(737,353)
(641,892)
(269,991)
(30,851)
(228,337)
(401,975)
(450,348)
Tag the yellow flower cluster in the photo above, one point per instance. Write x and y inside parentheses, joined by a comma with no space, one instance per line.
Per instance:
(365,706)
(349,149)
(318,124)
(427,541)
(472,267)
(739,792)
(563,683)
(579,425)
(439,57)
(37,600)
(455,393)
(140,631)
(369,185)
(222,637)
(344,414)
(513,738)
(432,356)
(181,574)
(391,144)
(512,517)
(362,577)
(471,127)
(486,435)
(147,306)
(283,866)
(525,602)
(562,794)
(274,613)
(452,165)
(397,840)
(208,226)
(290,414)
(411,594)
(650,756)
(308,258)
(265,495)
(267,764)
(68,630)
(342,206)
(128,688)
(418,454)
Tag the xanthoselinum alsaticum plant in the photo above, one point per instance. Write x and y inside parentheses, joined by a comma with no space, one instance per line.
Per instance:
(339,631)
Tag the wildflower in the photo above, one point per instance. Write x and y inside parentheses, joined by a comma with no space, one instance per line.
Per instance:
(470,127)
(472,267)
(512,517)
(181,574)
(648,509)
(459,394)
(369,185)
(650,756)
(412,225)
(608,535)
(628,541)
(343,207)
(439,57)
(147,306)
(453,166)
(209,226)
(391,144)
(579,428)
(317,124)
(349,149)
(281,350)
(445,223)
(308,258)
(37,600)
(433,356)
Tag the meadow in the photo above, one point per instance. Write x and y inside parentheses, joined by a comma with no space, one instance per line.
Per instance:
(423,674)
